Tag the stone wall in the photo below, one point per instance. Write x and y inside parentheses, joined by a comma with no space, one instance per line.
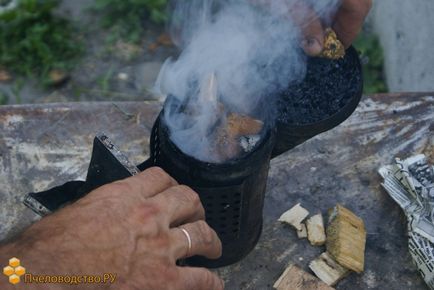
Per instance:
(406,31)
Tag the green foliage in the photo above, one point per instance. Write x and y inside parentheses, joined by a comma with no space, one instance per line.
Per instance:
(33,41)
(104,80)
(373,62)
(126,18)
(3,98)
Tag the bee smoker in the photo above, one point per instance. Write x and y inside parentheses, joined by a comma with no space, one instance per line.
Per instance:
(232,192)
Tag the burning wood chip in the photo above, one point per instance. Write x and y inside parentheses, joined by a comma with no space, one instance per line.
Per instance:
(239,133)
(346,238)
(294,217)
(293,278)
(333,48)
(228,147)
(328,270)
(241,125)
(233,132)
(315,230)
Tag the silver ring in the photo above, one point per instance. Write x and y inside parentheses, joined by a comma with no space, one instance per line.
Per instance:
(188,239)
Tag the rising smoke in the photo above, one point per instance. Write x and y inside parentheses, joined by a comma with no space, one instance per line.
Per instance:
(236,53)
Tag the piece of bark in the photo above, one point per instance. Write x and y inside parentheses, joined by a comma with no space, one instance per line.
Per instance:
(293,278)
(328,270)
(302,234)
(315,230)
(346,238)
(294,216)
(333,48)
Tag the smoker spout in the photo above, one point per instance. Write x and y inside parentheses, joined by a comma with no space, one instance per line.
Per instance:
(107,165)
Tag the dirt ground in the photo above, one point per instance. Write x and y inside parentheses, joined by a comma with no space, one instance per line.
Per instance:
(106,72)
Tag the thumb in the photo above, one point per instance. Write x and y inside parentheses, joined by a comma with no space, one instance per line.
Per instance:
(313,42)
(311,28)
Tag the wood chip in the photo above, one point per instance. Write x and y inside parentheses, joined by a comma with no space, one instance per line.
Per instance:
(127,51)
(5,75)
(294,216)
(328,270)
(302,234)
(293,278)
(153,47)
(57,77)
(346,238)
(165,39)
(228,137)
(315,230)
(242,125)
(333,48)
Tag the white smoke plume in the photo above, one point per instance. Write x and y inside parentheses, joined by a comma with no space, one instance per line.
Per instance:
(248,50)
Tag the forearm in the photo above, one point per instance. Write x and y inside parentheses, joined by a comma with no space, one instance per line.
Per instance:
(31,250)
(51,257)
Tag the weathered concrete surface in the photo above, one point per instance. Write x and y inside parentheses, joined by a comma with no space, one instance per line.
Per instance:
(406,31)
(42,146)
(46,145)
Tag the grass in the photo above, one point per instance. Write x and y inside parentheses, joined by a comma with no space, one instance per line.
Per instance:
(105,79)
(126,18)
(33,41)
(372,57)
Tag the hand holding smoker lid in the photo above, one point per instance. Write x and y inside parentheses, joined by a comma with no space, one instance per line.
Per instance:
(232,192)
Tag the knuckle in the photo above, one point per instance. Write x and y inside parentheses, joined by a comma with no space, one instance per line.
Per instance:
(117,187)
(158,174)
(147,214)
(151,209)
(206,233)
(152,229)
(189,194)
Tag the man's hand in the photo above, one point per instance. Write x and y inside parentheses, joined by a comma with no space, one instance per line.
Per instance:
(347,24)
(132,228)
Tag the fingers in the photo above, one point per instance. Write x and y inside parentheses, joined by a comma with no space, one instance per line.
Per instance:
(203,239)
(347,25)
(199,279)
(313,38)
(349,19)
(311,28)
(180,204)
(147,183)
